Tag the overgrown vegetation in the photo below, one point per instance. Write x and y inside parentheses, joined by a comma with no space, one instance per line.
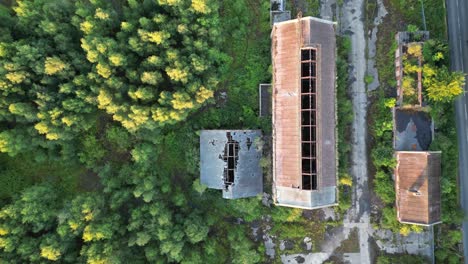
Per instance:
(103,89)
(307,7)
(345,118)
(401,259)
(412,69)
(403,13)
(103,86)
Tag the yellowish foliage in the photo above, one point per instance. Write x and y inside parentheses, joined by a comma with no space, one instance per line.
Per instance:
(157,37)
(177,74)
(128,124)
(203,94)
(22,9)
(116,59)
(181,28)
(176,115)
(101,47)
(3,50)
(88,214)
(141,93)
(154,60)
(198,65)
(411,68)
(5,243)
(103,70)
(86,27)
(172,55)
(3,231)
(441,91)
(52,136)
(139,115)
(54,65)
(98,261)
(41,127)
(101,14)
(390,102)
(201,6)
(104,98)
(428,71)
(92,56)
(415,49)
(126,26)
(168,2)
(73,225)
(85,45)
(438,56)
(160,115)
(405,230)
(416,228)
(3,85)
(92,235)
(50,253)
(16,77)
(150,77)
(181,101)
(55,113)
(408,86)
(68,121)
(294,215)
(346,180)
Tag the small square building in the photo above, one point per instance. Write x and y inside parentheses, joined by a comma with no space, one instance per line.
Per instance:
(417,187)
(230,161)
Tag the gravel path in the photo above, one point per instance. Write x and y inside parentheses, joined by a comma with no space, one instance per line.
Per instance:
(352,25)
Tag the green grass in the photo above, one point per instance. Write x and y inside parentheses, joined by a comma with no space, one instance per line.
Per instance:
(23,171)
(308,8)
(368,79)
(434,11)
(345,118)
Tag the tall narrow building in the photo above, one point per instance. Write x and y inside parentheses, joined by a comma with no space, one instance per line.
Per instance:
(304,113)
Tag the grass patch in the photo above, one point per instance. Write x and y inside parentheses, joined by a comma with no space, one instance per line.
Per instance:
(307,7)
(345,118)
(23,171)
(368,79)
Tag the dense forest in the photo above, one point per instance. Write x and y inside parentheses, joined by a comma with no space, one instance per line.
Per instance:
(100,106)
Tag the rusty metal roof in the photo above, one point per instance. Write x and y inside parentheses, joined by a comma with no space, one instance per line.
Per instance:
(417,186)
(287,40)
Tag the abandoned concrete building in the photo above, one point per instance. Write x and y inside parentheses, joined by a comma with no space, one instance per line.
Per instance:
(417,186)
(409,52)
(304,113)
(230,161)
(417,175)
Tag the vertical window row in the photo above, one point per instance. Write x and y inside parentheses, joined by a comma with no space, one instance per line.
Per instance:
(309,118)
(230,156)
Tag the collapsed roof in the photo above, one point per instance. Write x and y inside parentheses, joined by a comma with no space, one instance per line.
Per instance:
(230,161)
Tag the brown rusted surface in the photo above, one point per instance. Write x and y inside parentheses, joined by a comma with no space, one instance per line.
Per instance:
(417,186)
(287,40)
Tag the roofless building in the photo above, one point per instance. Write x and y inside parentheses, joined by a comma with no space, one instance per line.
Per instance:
(304,113)
(230,161)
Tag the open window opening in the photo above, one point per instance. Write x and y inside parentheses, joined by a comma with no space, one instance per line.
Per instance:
(230,156)
(309,118)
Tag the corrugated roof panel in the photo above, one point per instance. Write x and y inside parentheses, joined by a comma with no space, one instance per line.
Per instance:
(417,187)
